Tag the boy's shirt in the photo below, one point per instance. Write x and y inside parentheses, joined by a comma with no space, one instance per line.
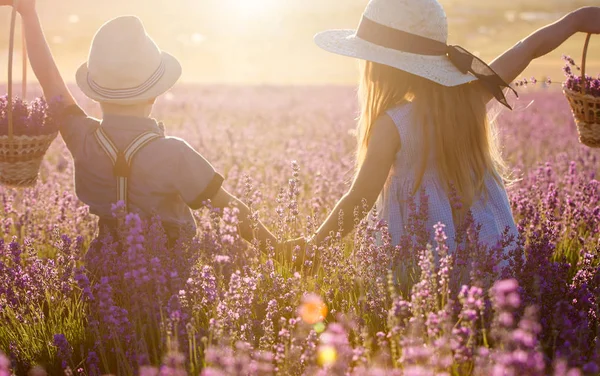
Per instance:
(168,177)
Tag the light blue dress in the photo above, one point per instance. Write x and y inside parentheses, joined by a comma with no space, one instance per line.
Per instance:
(493,214)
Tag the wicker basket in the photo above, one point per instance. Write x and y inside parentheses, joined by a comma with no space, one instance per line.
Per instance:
(20,155)
(586,108)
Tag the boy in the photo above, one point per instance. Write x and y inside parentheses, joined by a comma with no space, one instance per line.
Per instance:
(126,156)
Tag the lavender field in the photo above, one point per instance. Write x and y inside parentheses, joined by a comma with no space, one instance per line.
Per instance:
(220,306)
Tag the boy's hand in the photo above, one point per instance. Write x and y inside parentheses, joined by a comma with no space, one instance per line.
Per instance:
(23,7)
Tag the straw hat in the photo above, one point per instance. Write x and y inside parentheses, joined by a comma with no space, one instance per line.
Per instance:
(125,66)
(424,18)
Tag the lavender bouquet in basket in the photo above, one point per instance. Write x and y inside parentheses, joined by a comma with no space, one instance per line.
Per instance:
(583,93)
(34,127)
(576,82)
(30,119)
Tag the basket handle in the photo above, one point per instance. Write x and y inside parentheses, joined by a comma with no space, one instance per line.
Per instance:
(583,59)
(24,55)
(11,45)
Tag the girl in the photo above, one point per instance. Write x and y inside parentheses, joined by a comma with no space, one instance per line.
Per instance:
(423,123)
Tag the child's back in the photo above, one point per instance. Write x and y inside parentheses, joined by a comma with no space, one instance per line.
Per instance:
(126,156)
(423,123)
(491,209)
(167,176)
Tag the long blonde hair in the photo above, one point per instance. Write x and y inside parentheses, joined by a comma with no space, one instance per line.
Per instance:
(464,140)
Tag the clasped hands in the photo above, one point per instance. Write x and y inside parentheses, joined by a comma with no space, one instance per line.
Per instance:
(294,254)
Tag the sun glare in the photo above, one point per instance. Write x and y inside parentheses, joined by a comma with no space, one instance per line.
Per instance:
(250,7)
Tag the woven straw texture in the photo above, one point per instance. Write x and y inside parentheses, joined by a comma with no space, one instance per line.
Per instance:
(20,160)
(425,17)
(20,155)
(586,110)
(585,107)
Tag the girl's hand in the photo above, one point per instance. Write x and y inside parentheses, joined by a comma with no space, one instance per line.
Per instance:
(23,7)
(588,20)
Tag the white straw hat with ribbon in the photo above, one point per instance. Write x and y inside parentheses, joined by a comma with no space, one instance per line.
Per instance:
(412,35)
(424,18)
(125,66)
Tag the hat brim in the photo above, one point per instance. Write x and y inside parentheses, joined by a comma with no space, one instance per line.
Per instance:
(170,76)
(438,69)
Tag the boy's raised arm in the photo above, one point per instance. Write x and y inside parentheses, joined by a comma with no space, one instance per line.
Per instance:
(41,59)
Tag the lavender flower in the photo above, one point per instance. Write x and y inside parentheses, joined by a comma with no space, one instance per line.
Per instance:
(33,119)
(227,307)
(64,349)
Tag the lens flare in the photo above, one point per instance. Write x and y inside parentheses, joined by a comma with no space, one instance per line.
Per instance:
(319,327)
(312,310)
(327,355)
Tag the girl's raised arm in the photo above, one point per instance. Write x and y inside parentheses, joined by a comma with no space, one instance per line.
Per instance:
(513,62)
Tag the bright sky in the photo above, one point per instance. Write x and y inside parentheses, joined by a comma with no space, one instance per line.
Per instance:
(270,41)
